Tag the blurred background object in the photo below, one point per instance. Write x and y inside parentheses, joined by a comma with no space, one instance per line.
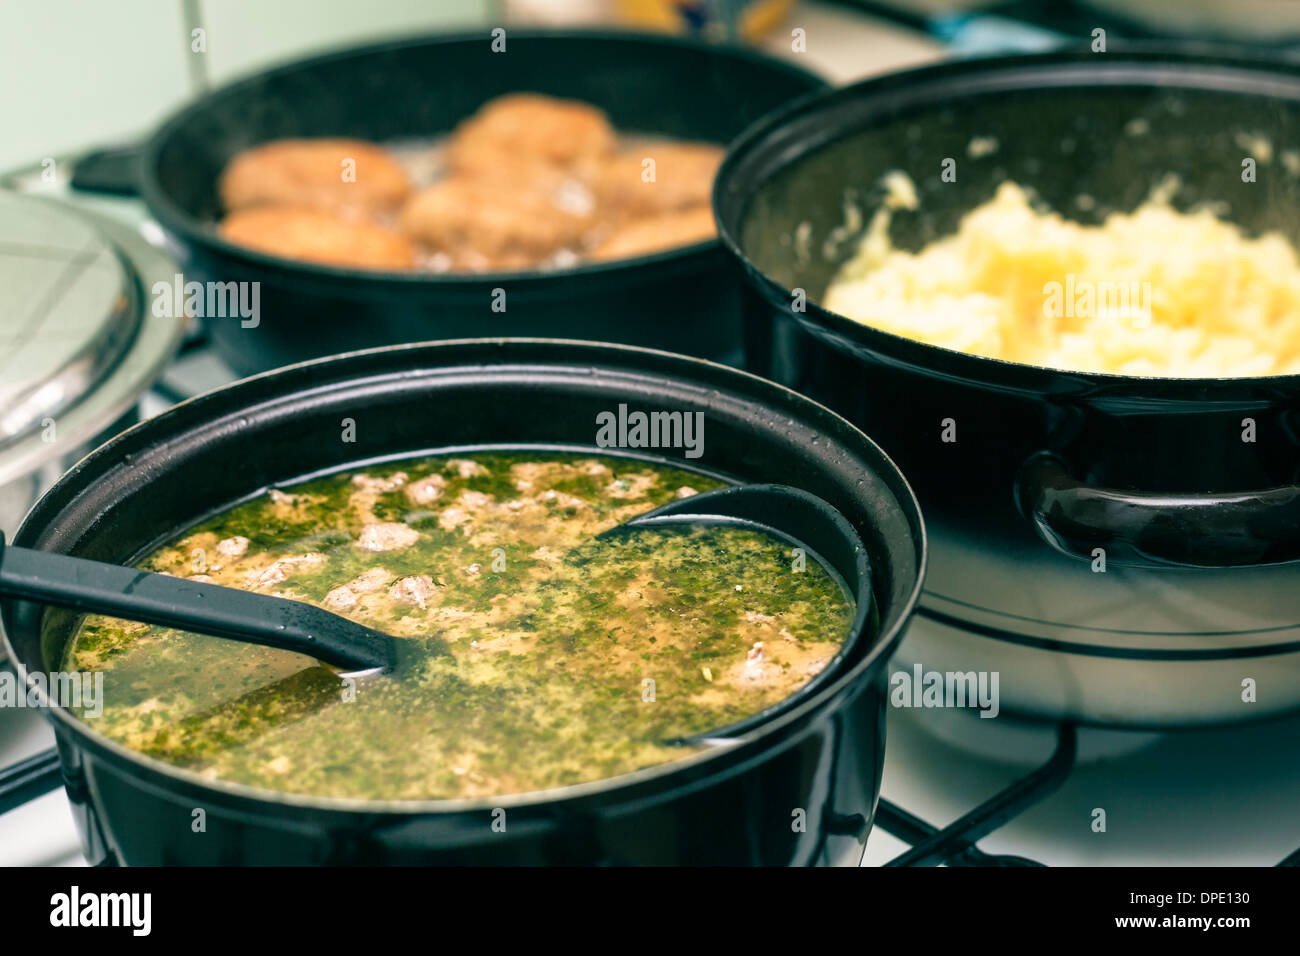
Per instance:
(1000,25)
(746,19)
(118,69)
(1266,21)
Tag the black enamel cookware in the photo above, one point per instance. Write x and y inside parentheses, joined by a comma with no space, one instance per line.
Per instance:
(800,787)
(683,299)
(1119,548)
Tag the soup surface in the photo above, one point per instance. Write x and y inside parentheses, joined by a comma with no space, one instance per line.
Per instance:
(535,656)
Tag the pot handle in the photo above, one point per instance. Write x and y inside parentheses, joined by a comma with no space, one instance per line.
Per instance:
(1154,530)
(114,171)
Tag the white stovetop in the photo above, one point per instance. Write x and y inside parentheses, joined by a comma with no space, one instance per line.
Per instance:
(1225,796)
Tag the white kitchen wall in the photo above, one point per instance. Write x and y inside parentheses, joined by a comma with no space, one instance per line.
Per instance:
(81,73)
(246,35)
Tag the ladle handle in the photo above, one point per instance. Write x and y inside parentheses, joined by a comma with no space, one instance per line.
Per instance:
(94,586)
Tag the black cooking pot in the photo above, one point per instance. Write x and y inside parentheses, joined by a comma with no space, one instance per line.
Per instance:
(739,804)
(684,299)
(1023,471)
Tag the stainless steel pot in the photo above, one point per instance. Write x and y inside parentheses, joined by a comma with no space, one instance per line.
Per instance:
(82,336)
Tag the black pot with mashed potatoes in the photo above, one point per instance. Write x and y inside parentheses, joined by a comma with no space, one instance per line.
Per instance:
(1063,291)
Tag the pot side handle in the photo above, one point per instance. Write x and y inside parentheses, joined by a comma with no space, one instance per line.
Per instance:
(114,171)
(1153,530)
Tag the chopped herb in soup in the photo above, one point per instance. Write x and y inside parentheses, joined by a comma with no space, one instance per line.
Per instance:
(537,656)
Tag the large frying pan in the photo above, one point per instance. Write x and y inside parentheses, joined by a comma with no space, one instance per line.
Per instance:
(685,299)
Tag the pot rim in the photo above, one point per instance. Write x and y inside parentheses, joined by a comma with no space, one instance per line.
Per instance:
(1162,66)
(195,231)
(685,773)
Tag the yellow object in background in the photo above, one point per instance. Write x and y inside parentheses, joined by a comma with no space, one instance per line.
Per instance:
(745,19)
(1152,292)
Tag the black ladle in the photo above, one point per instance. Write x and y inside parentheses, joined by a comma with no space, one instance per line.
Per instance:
(97,587)
(134,595)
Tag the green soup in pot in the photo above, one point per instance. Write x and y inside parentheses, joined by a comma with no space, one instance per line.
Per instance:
(537,655)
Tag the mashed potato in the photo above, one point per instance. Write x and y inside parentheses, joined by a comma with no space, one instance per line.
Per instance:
(1153,292)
